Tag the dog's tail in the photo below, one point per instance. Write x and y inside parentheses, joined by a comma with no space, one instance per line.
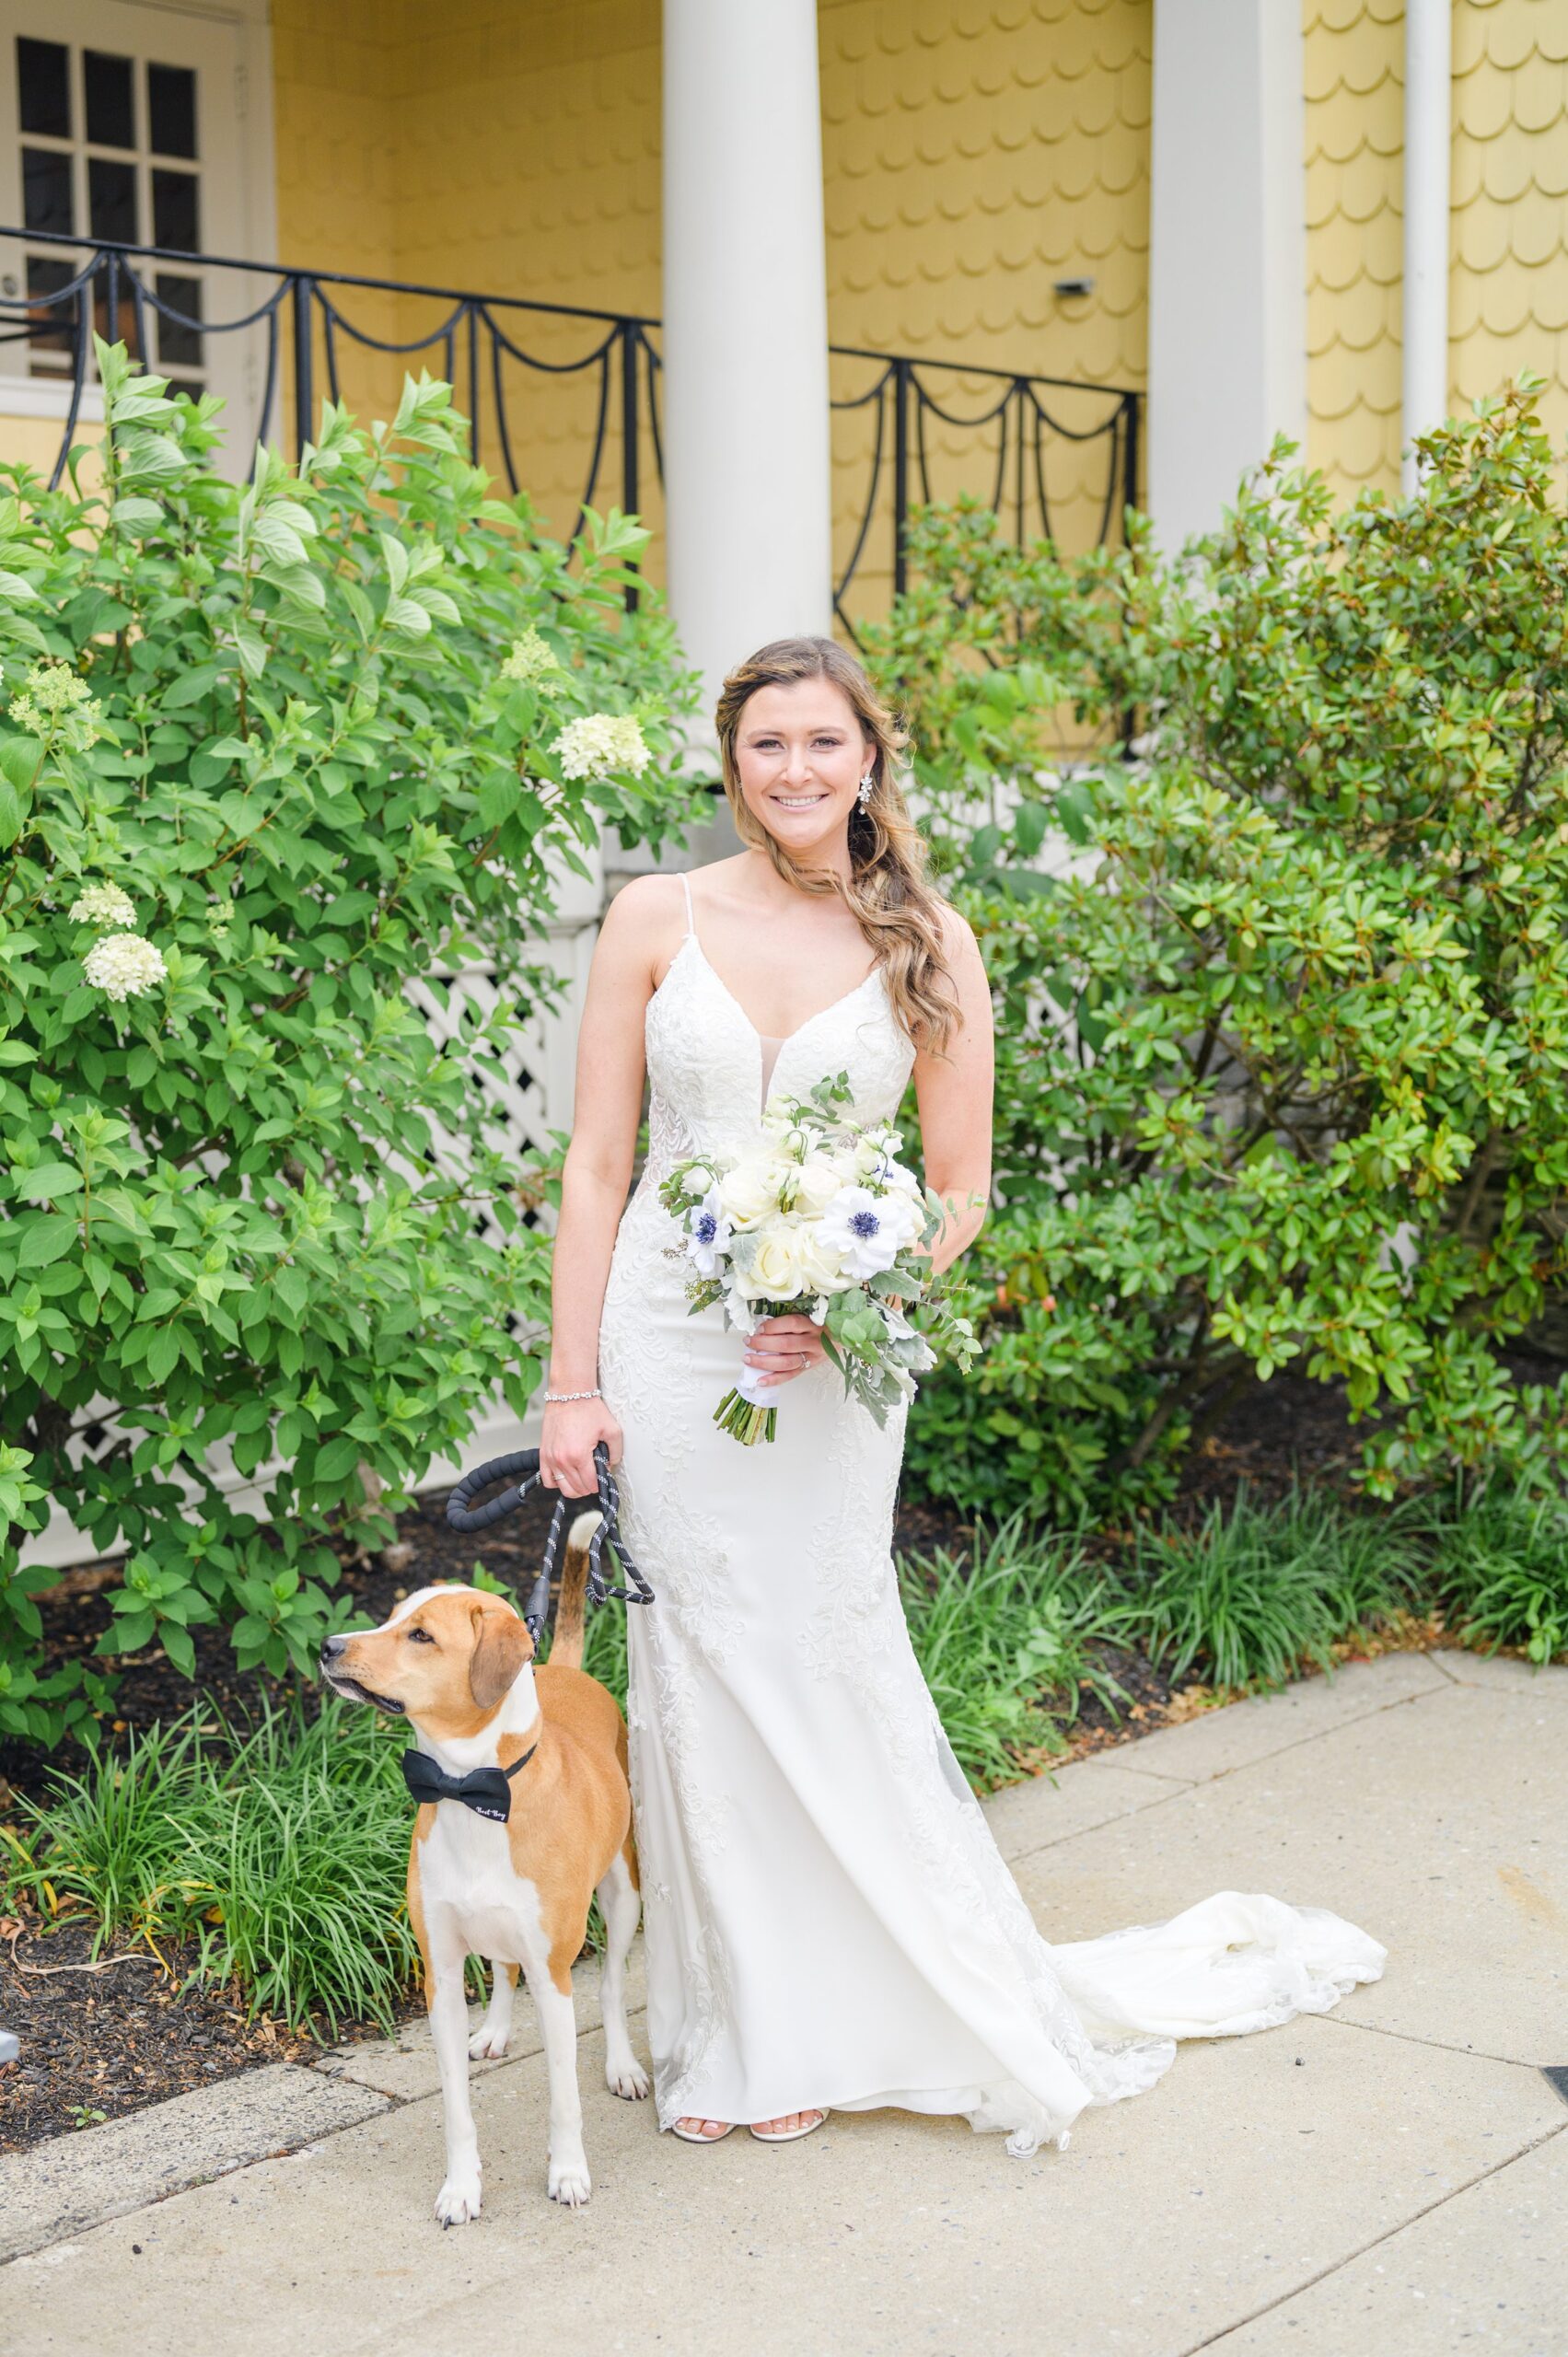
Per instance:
(566,1644)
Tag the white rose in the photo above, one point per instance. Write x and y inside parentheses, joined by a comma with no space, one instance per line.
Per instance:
(822,1268)
(775,1274)
(697,1179)
(750,1191)
(816,1183)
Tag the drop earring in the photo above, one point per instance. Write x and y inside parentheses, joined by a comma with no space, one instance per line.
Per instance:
(867,783)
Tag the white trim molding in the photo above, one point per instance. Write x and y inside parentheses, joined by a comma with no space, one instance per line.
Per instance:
(1228,279)
(746,467)
(1429,59)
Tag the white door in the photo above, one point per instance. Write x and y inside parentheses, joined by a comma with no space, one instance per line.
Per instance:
(130,122)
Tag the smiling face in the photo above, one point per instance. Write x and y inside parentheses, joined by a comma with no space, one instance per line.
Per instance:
(445,1659)
(800,753)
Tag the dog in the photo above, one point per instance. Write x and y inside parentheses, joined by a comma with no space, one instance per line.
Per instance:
(511,1884)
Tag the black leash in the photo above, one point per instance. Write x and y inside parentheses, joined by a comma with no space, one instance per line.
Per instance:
(466,1518)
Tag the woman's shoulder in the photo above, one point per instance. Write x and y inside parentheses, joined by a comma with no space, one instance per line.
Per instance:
(955,929)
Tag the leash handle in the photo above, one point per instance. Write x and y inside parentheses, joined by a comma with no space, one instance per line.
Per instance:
(461,1514)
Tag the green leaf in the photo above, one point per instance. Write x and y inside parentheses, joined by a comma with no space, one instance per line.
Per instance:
(47,1240)
(19,762)
(338,1457)
(44,1181)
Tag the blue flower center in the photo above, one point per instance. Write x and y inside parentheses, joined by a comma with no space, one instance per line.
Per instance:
(707,1228)
(865,1223)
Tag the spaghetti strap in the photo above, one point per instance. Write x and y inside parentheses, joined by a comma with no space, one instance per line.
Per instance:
(690,921)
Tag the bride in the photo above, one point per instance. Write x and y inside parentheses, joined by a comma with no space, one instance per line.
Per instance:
(830,1925)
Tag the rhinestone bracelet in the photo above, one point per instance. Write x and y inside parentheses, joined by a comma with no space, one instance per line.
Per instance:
(552,1395)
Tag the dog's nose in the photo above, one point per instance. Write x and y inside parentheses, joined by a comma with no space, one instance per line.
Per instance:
(330,1648)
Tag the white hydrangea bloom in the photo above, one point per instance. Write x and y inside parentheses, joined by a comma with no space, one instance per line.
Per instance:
(602,744)
(57,696)
(123,966)
(532,660)
(103,904)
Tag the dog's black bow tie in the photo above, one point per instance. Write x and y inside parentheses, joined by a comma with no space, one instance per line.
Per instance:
(487,1791)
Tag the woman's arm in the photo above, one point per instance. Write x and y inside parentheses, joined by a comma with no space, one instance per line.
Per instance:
(954,1095)
(597,1174)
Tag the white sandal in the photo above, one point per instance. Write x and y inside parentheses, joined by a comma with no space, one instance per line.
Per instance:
(695,2136)
(788,2135)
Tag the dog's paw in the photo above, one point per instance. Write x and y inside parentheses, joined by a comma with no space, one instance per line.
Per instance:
(627,2079)
(486,2044)
(458,2200)
(569,2181)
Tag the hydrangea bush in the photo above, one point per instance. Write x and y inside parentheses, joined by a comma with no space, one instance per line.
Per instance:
(272,750)
(1283,1050)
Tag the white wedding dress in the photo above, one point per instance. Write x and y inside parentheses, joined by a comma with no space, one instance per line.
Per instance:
(829,1922)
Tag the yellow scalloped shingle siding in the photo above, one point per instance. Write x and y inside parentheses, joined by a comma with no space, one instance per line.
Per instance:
(484,144)
(1508,287)
(1353,77)
(1509,282)
(332,83)
(974,152)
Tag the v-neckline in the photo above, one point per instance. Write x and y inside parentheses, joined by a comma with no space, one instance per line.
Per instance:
(843,1000)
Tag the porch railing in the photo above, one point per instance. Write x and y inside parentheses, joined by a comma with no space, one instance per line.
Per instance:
(300,326)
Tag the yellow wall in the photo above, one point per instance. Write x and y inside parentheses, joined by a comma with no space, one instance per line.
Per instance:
(975,150)
(1509,234)
(1509,288)
(1352,71)
(338,135)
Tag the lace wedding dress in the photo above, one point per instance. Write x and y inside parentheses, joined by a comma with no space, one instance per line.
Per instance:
(829,1922)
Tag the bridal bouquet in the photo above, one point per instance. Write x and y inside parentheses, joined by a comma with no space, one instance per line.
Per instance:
(818,1218)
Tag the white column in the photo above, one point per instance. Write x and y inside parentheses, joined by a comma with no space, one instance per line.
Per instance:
(1428,72)
(745,392)
(1228,264)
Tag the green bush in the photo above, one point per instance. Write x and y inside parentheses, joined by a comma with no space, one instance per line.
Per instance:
(279,1854)
(1004,1635)
(1255,1594)
(273,751)
(1281,1057)
(1500,1567)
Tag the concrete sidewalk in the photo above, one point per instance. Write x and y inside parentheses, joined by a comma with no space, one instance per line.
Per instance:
(1390,2178)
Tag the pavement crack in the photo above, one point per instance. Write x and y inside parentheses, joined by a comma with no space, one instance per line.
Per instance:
(1442,2045)
(1217,2339)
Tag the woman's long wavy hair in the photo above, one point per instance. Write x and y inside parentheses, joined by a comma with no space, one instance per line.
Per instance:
(893,904)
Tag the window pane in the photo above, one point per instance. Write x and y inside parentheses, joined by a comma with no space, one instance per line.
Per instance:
(111,199)
(46,190)
(112,120)
(54,331)
(171,110)
(175,223)
(43,87)
(178,346)
(118,325)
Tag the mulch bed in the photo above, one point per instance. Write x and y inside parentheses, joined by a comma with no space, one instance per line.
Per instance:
(107,2041)
(100,2039)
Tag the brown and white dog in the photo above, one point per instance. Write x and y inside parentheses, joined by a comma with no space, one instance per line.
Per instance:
(458,1662)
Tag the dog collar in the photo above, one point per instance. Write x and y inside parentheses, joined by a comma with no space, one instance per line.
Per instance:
(487,1791)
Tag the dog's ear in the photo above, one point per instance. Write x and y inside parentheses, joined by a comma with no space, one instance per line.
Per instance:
(501,1645)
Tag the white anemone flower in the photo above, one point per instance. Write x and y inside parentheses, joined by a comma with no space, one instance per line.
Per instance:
(123,966)
(868,1232)
(707,1236)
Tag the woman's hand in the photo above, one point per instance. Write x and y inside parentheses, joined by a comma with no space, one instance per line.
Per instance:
(572,1428)
(783,1348)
